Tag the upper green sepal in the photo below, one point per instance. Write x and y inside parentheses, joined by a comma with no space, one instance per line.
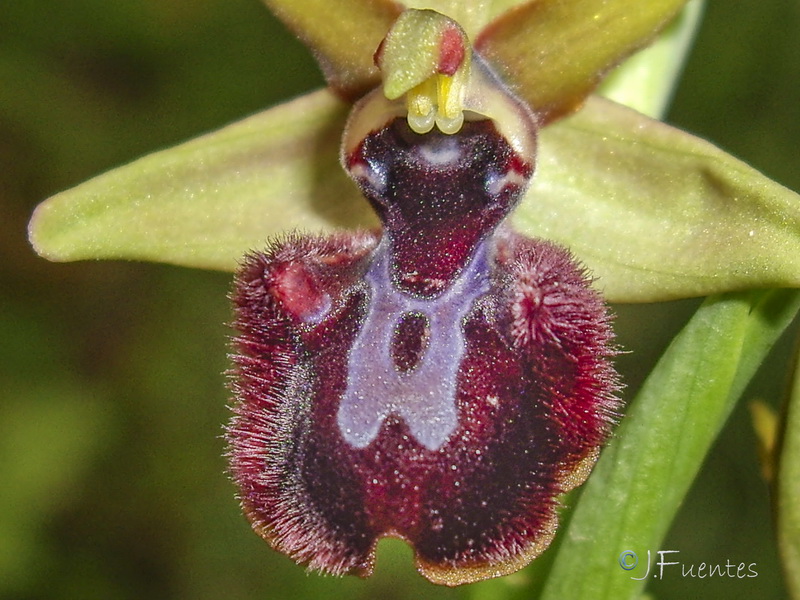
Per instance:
(552,53)
(344,35)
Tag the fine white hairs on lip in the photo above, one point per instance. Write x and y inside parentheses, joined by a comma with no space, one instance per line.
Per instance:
(425,396)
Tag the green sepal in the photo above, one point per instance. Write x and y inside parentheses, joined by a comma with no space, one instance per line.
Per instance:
(656,213)
(472,15)
(206,202)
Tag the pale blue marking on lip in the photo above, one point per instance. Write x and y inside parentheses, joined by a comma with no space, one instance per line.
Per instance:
(425,396)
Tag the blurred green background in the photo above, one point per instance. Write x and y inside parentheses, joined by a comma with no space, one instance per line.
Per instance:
(112,397)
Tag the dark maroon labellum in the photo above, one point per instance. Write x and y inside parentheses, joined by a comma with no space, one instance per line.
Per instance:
(443,381)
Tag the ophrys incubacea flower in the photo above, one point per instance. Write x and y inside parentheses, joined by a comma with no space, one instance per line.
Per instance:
(739,259)
(442,381)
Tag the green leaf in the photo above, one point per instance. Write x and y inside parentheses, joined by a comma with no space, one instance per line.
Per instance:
(788,491)
(206,202)
(553,53)
(343,36)
(647,469)
(656,213)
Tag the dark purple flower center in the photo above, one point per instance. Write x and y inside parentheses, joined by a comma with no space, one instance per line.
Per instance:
(438,196)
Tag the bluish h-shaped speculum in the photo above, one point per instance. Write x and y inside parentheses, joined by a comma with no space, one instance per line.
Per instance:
(425,395)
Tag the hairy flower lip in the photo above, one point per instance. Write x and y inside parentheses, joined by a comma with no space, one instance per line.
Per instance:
(450,577)
(255,411)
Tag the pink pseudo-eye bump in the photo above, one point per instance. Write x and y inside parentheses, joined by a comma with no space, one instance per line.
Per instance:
(442,381)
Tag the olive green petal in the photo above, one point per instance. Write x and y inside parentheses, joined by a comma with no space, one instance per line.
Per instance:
(343,35)
(553,53)
(656,213)
(206,202)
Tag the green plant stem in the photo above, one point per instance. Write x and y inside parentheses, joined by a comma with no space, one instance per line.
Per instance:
(646,471)
(788,490)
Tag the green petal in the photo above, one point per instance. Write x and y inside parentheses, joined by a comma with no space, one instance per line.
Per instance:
(206,202)
(788,491)
(656,213)
(553,53)
(343,35)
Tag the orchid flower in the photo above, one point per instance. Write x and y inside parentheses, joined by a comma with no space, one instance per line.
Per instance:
(654,213)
